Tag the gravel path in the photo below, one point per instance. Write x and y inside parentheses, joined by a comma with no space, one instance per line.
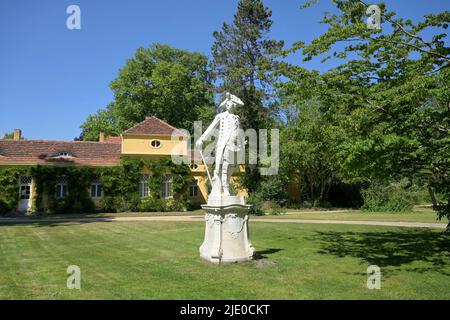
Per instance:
(200,218)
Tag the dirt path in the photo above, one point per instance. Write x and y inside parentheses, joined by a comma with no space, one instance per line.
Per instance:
(200,218)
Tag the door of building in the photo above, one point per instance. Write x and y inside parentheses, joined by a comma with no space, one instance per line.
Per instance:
(25,193)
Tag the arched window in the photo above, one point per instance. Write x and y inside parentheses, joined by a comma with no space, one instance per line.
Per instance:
(194,166)
(166,191)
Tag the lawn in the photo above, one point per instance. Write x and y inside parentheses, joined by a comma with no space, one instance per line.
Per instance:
(417,215)
(159,260)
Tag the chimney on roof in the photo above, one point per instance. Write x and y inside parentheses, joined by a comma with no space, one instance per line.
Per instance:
(17,134)
(101,137)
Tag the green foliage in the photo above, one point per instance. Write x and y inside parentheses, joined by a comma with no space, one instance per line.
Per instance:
(9,189)
(245,43)
(244,61)
(102,121)
(250,179)
(270,196)
(308,148)
(391,197)
(10,135)
(171,84)
(78,181)
(152,204)
(256,201)
(119,185)
(389,100)
(273,189)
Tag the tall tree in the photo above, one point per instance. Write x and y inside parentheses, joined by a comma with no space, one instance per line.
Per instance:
(390,94)
(244,59)
(309,147)
(171,84)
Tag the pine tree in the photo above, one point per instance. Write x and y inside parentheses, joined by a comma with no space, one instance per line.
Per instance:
(244,60)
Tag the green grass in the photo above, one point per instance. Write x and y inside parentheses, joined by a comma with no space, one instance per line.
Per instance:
(160,260)
(417,215)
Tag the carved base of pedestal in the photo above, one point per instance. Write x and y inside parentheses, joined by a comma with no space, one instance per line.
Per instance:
(226,234)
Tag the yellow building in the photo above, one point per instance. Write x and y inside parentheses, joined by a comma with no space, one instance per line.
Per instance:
(150,139)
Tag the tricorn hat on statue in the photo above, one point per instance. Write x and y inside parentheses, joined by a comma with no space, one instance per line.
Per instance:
(232,98)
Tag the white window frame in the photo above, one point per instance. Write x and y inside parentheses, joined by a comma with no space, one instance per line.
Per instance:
(193,189)
(60,194)
(166,188)
(143,186)
(98,192)
(63,154)
(25,184)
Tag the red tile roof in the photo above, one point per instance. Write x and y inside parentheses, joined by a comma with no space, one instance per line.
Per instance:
(153,126)
(46,152)
(107,153)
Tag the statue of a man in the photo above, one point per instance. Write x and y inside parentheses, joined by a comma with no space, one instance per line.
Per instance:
(228,142)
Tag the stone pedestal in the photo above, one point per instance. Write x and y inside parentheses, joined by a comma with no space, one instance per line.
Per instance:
(226,231)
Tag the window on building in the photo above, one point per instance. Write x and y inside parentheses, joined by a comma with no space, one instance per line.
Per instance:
(143,186)
(61,188)
(155,143)
(193,188)
(166,191)
(96,189)
(25,192)
(194,166)
(63,154)
(25,187)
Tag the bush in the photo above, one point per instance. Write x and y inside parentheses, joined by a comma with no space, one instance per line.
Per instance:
(306,204)
(273,189)
(391,197)
(151,204)
(176,205)
(275,209)
(256,202)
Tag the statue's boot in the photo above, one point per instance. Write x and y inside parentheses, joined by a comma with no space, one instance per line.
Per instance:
(216,185)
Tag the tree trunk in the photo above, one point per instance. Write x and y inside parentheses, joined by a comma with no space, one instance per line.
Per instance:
(432,197)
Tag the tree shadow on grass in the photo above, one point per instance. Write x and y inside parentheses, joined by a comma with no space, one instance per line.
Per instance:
(261,254)
(390,248)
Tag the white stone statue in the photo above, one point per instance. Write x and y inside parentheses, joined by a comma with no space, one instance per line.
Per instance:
(226,216)
(228,142)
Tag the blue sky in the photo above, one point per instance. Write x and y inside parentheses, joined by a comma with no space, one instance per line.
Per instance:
(52,78)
